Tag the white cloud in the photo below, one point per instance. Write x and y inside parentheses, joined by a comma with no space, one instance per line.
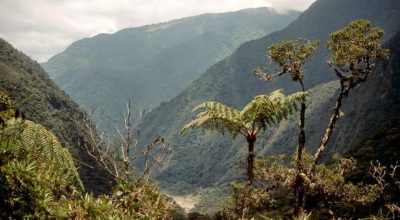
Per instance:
(284,5)
(42,28)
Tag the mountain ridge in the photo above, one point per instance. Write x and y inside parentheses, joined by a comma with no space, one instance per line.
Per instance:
(151,67)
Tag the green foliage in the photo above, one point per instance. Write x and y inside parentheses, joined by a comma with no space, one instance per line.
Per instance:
(23,193)
(34,94)
(356,44)
(245,201)
(217,117)
(139,201)
(263,110)
(289,53)
(381,146)
(341,192)
(290,57)
(326,193)
(32,142)
(303,216)
(35,171)
(6,108)
(38,179)
(352,50)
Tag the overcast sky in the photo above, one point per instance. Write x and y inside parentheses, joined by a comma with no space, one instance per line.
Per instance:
(43,28)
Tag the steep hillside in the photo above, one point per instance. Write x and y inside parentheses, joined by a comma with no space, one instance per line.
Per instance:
(153,63)
(36,95)
(230,82)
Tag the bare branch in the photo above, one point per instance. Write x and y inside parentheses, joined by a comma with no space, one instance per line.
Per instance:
(378,172)
(337,71)
(260,74)
(393,173)
(116,152)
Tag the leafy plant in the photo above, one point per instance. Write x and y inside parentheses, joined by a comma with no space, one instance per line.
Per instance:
(245,201)
(328,193)
(35,171)
(139,201)
(33,143)
(6,107)
(262,111)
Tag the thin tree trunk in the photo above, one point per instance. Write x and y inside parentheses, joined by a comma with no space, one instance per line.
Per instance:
(301,136)
(299,188)
(331,126)
(250,159)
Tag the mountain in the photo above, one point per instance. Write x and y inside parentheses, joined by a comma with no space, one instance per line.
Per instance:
(153,63)
(207,159)
(43,102)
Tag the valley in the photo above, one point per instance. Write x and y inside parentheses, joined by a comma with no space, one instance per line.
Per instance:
(217,120)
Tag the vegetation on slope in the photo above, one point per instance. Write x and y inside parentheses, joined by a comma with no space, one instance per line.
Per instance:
(319,190)
(383,147)
(228,81)
(42,102)
(38,179)
(35,170)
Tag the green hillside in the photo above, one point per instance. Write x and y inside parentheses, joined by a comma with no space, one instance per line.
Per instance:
(230,82)
(35,94)
(153,63)
(383,143)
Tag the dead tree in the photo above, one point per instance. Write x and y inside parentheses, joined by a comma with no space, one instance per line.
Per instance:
(118,152)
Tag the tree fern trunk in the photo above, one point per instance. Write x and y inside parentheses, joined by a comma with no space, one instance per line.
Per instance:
(250,159)
(299,187)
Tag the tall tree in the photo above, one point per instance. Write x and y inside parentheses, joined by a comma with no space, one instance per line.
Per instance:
(262,111)
(353,50)
(290,56)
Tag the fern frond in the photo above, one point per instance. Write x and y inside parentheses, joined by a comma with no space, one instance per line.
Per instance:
(263,110)
(288,105)
(218,117)
(33,143)
(259,112)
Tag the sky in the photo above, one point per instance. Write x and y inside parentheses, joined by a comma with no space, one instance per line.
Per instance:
(43,28)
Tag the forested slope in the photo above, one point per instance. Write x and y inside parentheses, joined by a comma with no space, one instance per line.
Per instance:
(43,102)
(203,159)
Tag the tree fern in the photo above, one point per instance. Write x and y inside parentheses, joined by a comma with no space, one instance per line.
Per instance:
(32,142)
(263,110)
(217,117)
